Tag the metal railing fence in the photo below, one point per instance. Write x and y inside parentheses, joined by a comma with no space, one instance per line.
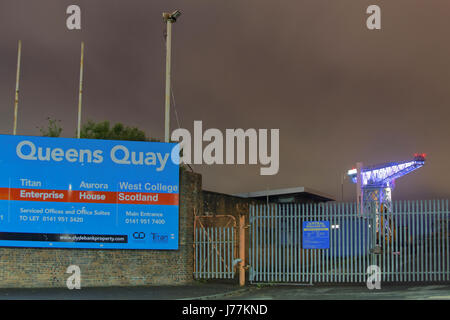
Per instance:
(214,250)
(409,244)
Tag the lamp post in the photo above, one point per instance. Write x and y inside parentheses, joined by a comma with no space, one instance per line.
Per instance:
(169,19)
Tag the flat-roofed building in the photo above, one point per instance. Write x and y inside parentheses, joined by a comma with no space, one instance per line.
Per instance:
(288,195)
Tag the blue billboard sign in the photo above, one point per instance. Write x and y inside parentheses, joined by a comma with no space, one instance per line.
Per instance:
(316,235)
(86,193)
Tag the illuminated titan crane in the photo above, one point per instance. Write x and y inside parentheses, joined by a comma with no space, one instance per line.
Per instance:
(378,181)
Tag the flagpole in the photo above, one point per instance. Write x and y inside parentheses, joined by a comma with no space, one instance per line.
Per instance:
(80,93)
(16,98)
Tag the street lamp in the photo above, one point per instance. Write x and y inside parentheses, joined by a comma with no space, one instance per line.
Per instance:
(168,18)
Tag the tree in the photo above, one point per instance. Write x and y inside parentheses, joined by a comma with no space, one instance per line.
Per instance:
(103,130)
(53,130)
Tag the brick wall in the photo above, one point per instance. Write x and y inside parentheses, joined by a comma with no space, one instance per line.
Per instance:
(215,203)
(33,267)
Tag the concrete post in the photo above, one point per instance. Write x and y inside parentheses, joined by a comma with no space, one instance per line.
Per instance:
(242,250)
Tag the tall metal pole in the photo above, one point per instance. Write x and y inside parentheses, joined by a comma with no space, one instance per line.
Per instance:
(16,98)
(359,185)
(168,57)
(80,93)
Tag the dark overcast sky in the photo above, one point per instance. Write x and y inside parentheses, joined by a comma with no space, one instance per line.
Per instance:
(338,92)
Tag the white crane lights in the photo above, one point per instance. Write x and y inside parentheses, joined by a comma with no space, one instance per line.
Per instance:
(378,181)
(384,174)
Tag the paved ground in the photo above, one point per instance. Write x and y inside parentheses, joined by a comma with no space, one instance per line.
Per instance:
(343,292)
(234,292)
(121,293)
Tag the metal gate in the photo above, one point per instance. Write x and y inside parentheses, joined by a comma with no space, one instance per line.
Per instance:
(411,243)
(214,247)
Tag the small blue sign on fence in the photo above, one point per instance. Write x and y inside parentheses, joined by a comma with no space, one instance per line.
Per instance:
(316,235)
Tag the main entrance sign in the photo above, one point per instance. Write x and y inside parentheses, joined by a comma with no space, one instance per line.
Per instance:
(83,193)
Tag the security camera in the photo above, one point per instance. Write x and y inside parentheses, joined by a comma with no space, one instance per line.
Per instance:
(172,17)
(175,15)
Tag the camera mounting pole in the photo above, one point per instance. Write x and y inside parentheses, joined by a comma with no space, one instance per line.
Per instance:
(169,19)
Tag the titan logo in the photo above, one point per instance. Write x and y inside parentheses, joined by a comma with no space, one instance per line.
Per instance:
(156,237)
